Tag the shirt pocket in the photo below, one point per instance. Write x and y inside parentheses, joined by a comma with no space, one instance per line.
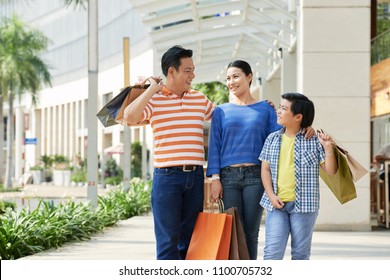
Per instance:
(309,158)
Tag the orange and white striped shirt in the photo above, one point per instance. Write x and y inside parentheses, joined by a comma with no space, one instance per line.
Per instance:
(177,125)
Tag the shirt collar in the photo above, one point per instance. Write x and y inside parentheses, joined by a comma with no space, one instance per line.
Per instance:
(167,92)
(283,129)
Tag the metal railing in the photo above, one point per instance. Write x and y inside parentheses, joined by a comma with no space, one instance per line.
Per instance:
(380,47)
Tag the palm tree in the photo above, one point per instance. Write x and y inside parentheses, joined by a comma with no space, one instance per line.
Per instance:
(3,3)
(76,3)
(21,71)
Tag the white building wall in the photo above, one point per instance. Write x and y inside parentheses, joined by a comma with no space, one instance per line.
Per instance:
(334,64)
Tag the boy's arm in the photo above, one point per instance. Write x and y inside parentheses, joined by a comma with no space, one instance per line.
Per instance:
(267,182)
(330,164)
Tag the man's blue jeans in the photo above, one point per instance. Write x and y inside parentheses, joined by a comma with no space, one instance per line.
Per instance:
(280,223)
(242,188)
(177,198)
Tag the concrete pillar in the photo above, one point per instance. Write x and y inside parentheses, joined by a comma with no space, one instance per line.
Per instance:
(333,71)
(144,152)
(72,131)
(65,130)
(271,88)
(19,142)
(48,134)
(288,72)
(42,135)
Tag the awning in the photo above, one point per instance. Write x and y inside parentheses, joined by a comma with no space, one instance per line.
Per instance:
(115,149)
(219,31)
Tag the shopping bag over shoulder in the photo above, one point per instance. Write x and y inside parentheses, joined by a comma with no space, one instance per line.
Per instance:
(341,183)
(357,170)
(112,112)
(211,237)
(238,248)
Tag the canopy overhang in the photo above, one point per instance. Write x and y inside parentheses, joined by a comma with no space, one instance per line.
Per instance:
(219,31)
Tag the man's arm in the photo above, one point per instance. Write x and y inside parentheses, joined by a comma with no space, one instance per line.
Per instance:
(133,112)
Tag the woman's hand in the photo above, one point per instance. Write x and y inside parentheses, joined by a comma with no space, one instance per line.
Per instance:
(309,132)
(270,103)
(215,190)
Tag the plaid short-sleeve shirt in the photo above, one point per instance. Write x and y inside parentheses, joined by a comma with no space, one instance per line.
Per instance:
(308,154)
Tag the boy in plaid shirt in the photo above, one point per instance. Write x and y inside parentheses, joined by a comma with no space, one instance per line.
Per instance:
(290,174)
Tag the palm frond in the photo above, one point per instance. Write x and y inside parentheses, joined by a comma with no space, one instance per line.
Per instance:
(82,4)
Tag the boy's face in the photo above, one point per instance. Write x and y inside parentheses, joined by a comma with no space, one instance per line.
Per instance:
(286,117)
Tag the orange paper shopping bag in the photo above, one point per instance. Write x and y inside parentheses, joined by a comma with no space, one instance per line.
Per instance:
(211,237)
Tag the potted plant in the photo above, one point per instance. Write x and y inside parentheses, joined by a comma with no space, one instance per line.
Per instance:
(37,174)
(61,171)
(47,165)
(79,177)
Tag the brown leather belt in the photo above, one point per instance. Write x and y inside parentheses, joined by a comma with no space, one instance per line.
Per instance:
(185,168)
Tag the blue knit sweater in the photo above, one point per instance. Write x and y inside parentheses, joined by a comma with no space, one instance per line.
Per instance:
(237,134)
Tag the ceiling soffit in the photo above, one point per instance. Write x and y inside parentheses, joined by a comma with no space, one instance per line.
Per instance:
(219,31)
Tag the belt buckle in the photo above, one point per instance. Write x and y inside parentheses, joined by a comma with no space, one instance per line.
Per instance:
(190,168)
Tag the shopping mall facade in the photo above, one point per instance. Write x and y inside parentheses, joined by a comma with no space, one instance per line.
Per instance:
(318,47)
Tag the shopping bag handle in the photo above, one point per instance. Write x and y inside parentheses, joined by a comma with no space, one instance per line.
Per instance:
(216,207)
(334,144)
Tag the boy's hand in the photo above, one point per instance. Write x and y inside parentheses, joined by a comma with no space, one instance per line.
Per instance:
(276,202)
(325,139)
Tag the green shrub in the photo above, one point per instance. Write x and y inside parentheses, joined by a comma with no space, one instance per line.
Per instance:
(37,168)
(26,232)
(113,180)
(79,176)
(6,204)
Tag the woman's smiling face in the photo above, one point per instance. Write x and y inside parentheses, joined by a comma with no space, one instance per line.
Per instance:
(236,81)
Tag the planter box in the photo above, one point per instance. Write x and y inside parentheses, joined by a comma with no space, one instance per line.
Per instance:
(37,176)
(61,177)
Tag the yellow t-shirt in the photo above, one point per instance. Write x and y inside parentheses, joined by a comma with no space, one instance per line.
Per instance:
(286,171)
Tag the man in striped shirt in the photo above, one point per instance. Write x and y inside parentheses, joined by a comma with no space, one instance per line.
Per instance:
(176,114)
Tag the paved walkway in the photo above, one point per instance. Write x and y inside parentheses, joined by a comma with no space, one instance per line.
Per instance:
(133,239)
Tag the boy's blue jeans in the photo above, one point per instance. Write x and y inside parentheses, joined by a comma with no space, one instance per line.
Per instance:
(279,224)
(177,198)
(242,188)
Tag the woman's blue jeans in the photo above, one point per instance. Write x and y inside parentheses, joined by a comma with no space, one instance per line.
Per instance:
(177,198)
(242,188)
(279,224)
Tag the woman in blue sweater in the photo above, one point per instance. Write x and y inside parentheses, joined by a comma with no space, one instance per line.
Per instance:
(237,134)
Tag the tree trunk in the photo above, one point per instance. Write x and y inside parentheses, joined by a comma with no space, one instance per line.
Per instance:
(2,157)
(10,141)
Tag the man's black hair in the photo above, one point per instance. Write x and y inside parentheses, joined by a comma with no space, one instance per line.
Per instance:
(300,104)
(172,57)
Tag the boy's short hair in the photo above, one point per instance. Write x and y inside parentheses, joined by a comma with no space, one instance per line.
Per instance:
(172,57)
(300,104)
